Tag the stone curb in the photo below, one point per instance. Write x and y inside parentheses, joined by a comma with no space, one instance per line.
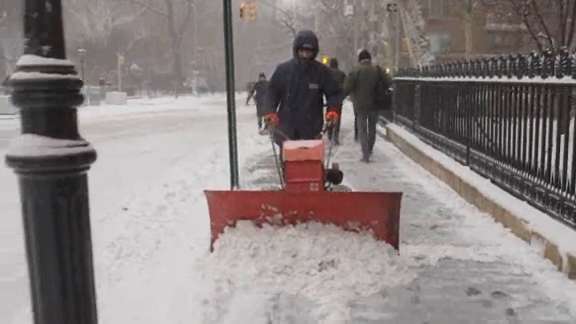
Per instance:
(565,263)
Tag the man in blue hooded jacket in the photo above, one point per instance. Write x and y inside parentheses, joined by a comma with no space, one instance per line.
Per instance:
(296,93)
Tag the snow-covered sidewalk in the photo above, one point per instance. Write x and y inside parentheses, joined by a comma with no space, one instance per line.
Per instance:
(151,237)
(456,264)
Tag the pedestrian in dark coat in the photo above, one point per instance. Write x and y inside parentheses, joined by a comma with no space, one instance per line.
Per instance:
(362,84)
(295,98)
(339,77)
(258,91)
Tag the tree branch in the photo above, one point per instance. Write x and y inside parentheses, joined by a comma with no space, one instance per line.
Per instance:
(518,8)
(288,23)
(570,38)
(190,6)
(538,15)
(562,23)
(146,5)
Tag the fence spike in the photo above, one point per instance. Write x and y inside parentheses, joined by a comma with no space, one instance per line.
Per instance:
(548,65)
(564,63)
(522,62)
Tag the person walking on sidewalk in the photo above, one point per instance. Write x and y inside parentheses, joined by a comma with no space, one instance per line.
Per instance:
(339,77)
(362,85)
(295,98)
(258,91)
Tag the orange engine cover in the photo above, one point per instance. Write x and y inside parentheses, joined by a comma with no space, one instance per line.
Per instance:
(304,176)
(303,165)
(307,150)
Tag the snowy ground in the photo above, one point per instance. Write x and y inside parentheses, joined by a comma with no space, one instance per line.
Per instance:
(151,237)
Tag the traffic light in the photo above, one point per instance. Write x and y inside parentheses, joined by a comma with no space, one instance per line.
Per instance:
(248,11)
(243,10)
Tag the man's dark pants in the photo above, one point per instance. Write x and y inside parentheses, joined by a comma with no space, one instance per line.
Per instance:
(259,113)
(367,131)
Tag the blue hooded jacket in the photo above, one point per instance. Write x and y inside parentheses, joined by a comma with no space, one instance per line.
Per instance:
(297,91)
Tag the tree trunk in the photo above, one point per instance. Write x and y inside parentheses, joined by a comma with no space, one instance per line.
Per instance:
(175,43)
(3,70)
(468,38)
(177,69)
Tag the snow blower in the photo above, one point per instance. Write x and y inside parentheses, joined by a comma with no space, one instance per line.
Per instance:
(307,196)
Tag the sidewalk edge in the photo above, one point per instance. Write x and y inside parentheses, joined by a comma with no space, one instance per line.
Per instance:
(549,249)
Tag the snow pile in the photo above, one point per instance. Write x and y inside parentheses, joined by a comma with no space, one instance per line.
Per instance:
(323,264)
(32,145)
(35,60)
(42,76)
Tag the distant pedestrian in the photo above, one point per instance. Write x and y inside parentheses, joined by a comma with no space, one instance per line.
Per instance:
(258,91)
(363,84)
(102,88)
(339,77)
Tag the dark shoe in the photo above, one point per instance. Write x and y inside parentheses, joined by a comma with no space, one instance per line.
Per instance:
(365,159)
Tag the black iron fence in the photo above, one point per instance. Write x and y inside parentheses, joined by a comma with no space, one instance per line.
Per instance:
(512,119)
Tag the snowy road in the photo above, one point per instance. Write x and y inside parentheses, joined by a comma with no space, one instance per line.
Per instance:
(137,147)
(151,236)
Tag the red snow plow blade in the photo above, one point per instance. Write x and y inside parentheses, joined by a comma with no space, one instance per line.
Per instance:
(304,199)
(376,212)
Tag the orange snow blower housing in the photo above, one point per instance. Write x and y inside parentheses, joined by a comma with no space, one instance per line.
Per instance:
(304,199)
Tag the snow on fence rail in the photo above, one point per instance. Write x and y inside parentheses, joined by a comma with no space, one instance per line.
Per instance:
(512,119)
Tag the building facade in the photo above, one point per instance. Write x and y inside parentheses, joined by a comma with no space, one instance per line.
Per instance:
(459,29)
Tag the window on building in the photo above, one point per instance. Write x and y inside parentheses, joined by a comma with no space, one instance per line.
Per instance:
(437,8)
(440,42)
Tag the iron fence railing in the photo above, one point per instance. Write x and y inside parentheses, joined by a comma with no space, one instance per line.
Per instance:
(512,119)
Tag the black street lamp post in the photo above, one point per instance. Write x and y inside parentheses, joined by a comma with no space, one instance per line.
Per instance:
(230,90)
(51,160)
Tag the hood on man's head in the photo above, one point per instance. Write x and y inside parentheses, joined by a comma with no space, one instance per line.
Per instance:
(306,39)
(364,55)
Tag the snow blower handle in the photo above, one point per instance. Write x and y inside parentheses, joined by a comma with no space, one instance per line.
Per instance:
(331,117)
(278,131)
(277,161)
(272,121)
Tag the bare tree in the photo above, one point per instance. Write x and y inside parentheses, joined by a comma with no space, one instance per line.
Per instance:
(97,19)
(10,31)
(288,21)
(177,15)
(470,7)
(341,29)
(551,24)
